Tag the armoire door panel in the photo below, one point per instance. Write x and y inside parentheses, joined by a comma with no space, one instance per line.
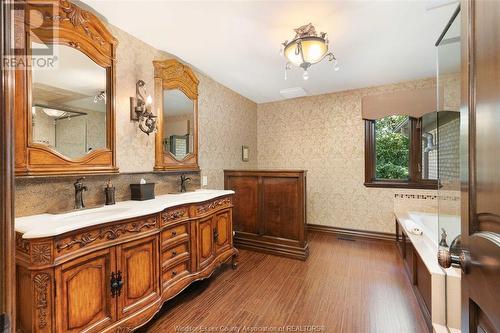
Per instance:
(84,292)
(222,224)
(205,242)
(137,263)
(280,203)
(245,214)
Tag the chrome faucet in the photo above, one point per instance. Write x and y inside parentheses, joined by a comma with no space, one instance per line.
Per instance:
(79,188)
(184,180)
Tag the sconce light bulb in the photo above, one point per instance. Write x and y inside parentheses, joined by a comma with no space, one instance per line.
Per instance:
(149,100)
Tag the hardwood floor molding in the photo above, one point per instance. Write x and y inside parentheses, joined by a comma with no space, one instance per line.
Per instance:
(353,233)
(272,248)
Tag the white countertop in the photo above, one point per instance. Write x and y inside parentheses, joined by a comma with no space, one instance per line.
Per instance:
(47,225)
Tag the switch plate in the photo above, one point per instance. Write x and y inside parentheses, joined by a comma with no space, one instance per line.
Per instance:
(204,181)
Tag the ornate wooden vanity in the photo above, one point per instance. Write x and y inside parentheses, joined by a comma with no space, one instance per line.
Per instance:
(114,277)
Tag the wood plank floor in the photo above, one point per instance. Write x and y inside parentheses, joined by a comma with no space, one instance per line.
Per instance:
(344,286)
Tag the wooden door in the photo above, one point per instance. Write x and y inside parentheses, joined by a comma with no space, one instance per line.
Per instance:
(83,293)
(223,232)
(205,242)
(137,263)
(480,258)
(7,258)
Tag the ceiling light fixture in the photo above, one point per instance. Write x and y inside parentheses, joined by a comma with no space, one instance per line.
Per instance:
(54,113)
(307,49)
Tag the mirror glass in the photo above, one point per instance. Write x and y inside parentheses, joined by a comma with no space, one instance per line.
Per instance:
(69,103)
(178,123)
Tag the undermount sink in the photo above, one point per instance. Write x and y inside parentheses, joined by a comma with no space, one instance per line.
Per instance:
(94,214)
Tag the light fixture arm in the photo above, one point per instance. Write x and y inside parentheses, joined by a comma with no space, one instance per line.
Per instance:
(142,108)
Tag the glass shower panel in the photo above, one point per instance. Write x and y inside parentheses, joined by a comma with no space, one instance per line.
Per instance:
(448,131)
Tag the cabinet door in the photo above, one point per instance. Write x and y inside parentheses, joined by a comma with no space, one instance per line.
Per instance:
(205,242)
(223,231)
(84,294)
(138,263)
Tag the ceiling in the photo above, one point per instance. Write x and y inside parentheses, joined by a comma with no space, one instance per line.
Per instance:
(237,42)
(73,82)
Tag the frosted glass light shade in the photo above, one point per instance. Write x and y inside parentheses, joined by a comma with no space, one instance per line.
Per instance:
(53,112)
(292,54)
(313,50)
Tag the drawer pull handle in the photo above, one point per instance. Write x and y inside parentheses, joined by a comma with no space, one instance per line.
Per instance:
(174,273)
(174,253)
(174,233)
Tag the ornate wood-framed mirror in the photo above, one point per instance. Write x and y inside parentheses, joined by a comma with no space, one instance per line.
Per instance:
(176,98)
(65,101)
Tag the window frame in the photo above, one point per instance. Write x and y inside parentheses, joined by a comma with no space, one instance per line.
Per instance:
(415,180)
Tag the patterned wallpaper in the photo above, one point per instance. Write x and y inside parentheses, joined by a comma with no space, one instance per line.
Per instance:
(226,122)
(325,135)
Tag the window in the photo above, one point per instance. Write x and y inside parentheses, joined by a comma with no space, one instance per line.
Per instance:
(400,151)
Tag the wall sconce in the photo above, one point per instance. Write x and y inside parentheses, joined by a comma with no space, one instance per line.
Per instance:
(140,109)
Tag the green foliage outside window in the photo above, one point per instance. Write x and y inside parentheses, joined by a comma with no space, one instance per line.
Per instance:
(392,147)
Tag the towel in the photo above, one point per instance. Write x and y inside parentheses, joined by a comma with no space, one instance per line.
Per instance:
(413,228)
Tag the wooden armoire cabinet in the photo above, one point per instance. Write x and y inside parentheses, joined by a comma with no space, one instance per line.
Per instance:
(270,211)
(114,277)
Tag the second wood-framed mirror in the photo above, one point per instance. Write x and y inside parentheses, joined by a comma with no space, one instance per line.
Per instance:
(176,98)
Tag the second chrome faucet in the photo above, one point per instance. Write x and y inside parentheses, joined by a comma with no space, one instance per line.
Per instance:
(79,189)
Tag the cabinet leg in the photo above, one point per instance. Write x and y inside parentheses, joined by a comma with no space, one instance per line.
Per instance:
(234,261)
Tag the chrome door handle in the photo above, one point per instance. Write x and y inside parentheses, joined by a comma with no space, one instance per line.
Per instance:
(446,259)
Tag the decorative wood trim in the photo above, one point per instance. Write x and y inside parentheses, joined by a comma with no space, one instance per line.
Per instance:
(175,75)
(202,209)
(124,329)
(108,233)
(174,215)
(41,283)
(78,28)
(41,253)
(172,74)
(22,245)
(353,233)
(64,23)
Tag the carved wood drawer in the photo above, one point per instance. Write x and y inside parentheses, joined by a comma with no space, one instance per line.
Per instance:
(209,207)
(174,215)
(98,235)
(170,275)
(174,234)
(174,254)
